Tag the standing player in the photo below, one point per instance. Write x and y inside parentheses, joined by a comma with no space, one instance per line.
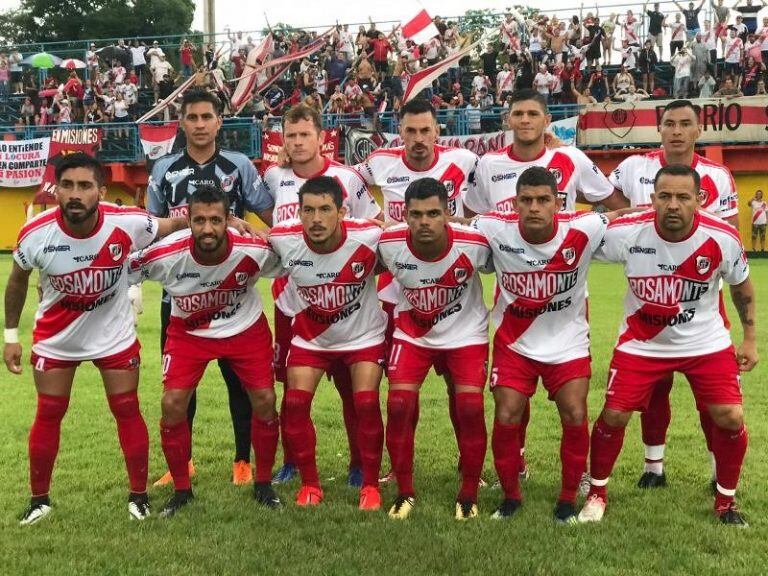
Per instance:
(216,314)
(680,128)
(303,138)
(84,315)
(576,175)
(541,256)
(393,169)
(174,178)
(440,321)
(674,257)
(759,219)
(332,262)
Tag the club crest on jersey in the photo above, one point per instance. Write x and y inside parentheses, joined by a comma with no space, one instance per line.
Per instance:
(702,264)
(557,173)
(460,274)
(358,269)
(569,255)
(241,278)
(227,183)
(115,251)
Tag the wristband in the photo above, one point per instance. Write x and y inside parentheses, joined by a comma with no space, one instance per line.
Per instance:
(11,335)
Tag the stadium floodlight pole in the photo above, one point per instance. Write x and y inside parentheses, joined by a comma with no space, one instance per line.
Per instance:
(209,19)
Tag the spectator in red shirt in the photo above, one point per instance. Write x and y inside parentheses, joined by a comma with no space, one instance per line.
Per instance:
(238,60)
(187,61)
(381,49)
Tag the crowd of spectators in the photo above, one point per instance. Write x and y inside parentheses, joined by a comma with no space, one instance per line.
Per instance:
(578,60)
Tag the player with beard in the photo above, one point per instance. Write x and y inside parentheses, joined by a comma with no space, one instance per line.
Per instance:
(84,316)
(332,261)
(675,257)
(174,178)
(441,321)
(210,274)
(680,129)
(577,177)
(303,139)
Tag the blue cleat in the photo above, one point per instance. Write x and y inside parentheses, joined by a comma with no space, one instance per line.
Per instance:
(355,478)
(286,473)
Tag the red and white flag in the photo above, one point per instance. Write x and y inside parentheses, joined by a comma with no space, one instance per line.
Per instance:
(424,78)
(420,28)
(157,139)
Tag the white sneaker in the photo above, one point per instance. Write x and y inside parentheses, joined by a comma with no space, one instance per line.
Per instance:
(585,484)
(593,510)
(139,509)
(34,513)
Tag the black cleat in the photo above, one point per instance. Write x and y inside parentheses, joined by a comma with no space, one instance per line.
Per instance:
(565,513)
(179,499)
(731,516)
(651,480)
(265,495)
(506,509)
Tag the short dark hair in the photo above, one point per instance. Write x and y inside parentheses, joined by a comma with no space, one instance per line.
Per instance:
(677,104)
(80,160)
(196,95)
(303,112)
(322,185)
(418,106)
(208,195)
(537,176)
(529,94)
(678,170)
(424,188)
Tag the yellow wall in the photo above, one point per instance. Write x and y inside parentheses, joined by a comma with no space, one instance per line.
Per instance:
(12,206)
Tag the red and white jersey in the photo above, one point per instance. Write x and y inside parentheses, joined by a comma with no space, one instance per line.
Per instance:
(339,308)
(84,313)
(635,177)
(734,48)
(283,185)
(210,301)
(441,301)
(758,212)
(541,309)
(672,306)
(498,171)
(388,169)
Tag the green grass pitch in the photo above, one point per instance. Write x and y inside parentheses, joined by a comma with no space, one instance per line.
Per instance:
(670,531)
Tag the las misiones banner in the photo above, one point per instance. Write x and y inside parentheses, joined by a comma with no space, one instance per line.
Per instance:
(65,141)
(723,120)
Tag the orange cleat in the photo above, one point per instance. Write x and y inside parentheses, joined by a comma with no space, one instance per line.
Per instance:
(309,496)
(241,473)
(370,499)
(167,479)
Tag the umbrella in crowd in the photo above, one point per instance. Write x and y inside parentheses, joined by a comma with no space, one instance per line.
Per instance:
(72,64)
(42,60)
(109,53)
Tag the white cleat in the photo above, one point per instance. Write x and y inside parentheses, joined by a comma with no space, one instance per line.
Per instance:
(34,513)
(139,509)
(593,510)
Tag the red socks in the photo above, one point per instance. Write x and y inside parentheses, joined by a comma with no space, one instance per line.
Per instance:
(505,443)
(605,448)
(729,447)
(472,439)
(176,441)
(370,434)
(264,436)
(524,425)
(655,419)
(402,406)
(300,434)
(44,441)
(287,459)
(343,382)
(707,426)
(134,438)
(574,447)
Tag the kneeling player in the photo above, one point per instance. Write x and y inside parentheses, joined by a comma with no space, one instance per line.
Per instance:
(541,256)
(216,314)
(80,248)
(674,257)
(332,262)
(440,321)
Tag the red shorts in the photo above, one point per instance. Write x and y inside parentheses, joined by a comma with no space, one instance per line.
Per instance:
(409,363)
(249,354)
(283,336)
(329,360)
(714,378)
(521,373)
(128,359)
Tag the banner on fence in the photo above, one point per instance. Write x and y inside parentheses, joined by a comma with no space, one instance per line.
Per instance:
(22,162)
(272,142)
(65,141)
(723,121)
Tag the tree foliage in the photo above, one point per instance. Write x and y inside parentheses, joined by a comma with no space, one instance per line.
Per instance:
(56,20)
